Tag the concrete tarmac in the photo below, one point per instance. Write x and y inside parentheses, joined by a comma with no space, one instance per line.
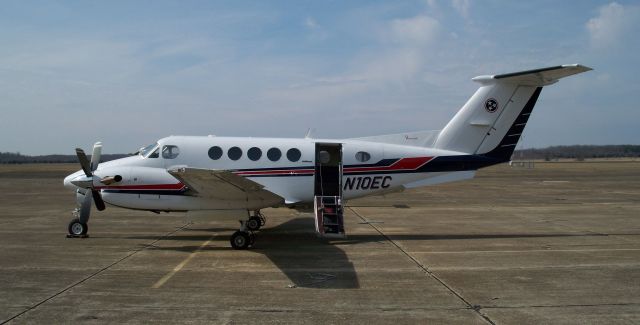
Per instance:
(559,243)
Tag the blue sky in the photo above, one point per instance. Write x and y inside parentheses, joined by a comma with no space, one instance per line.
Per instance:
(130,72)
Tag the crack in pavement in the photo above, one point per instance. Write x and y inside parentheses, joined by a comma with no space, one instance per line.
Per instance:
(95,273)
(424,268)
(561,306)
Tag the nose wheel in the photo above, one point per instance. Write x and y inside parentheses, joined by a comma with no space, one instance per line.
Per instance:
(77,228)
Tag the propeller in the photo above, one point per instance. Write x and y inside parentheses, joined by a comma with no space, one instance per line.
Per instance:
(89,167)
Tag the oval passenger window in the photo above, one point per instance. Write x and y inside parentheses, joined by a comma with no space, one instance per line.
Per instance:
(234,153)
(293,154)
(254,153)
(274,154)
(215,152)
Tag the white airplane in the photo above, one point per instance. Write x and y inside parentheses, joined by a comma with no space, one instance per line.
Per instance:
(189,173)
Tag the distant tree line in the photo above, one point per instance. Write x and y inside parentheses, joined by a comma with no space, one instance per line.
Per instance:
(17,158)
(578,152)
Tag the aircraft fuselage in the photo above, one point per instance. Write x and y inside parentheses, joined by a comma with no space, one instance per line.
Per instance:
(367,168)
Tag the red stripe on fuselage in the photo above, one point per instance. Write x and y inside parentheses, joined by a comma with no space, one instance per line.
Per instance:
(402,164)
(176,186)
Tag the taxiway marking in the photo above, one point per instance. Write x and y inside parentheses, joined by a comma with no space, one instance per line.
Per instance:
(179,267)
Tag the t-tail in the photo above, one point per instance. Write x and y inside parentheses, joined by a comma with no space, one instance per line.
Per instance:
(491,122)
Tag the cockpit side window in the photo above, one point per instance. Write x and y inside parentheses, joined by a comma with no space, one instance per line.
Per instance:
(154,154)
(170,152)
(148,149)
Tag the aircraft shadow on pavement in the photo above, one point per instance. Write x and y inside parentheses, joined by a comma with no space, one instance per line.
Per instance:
(293,248)
(310,262)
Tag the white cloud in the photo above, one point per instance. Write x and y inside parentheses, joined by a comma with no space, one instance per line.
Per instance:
(613,23)
(316,31)
(311,23)
(462,7)
(416,30)
(404,50)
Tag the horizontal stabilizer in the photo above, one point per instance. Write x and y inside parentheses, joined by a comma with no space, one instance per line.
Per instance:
(535,78)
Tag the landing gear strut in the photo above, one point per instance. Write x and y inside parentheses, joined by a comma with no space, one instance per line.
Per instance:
(244,237)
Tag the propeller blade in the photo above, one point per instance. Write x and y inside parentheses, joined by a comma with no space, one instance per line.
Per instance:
(85,208)
(97,198)
(84,162)
(95,156)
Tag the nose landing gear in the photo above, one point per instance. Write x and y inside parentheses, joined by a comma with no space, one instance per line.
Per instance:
(77,228)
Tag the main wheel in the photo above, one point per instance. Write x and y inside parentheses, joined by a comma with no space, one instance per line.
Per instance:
(254,223)
(240,240)
(77,228)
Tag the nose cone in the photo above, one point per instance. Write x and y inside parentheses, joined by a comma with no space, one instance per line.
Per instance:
(67,180)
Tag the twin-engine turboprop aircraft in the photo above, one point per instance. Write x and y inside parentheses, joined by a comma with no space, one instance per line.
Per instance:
(188,173)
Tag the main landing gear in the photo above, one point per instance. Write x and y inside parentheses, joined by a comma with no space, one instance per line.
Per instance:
(256,221)
(244,237)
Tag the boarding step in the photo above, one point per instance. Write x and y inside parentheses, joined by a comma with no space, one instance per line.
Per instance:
(329,219)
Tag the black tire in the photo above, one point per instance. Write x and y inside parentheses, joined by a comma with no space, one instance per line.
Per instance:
(77,228)
(240,240)
(254,223)
(252,239)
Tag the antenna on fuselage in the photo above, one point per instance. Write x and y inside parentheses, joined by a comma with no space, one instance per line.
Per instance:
(310,133)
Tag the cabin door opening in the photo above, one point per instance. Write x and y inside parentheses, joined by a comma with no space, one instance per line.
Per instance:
(328,170)
(328,190)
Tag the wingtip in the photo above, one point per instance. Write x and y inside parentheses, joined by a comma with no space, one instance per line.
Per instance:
(578,66)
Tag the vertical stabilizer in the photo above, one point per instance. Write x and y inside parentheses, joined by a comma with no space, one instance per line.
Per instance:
(493,119)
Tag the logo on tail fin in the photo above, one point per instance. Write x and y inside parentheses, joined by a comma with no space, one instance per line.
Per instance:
(491,105)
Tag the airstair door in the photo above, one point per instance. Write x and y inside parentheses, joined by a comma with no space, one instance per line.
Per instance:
(328,190)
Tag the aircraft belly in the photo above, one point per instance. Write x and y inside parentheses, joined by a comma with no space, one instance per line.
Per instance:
(181,202)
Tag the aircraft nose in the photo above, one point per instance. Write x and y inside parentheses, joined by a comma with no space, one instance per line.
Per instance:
(68,179)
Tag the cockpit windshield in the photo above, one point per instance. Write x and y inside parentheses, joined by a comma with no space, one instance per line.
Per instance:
(148,149)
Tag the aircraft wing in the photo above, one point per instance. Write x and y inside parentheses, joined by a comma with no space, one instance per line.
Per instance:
(221,184)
